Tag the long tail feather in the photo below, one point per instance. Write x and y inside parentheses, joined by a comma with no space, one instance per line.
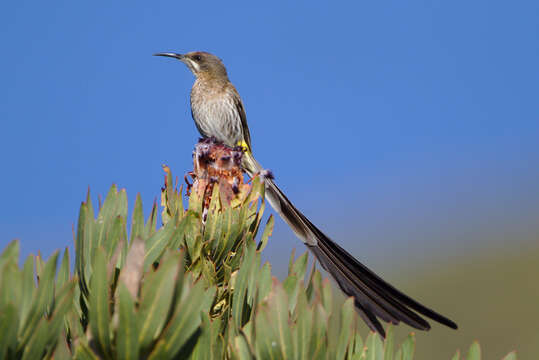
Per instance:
(374,298)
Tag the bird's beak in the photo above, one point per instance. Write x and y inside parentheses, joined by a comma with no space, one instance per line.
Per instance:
(172,55)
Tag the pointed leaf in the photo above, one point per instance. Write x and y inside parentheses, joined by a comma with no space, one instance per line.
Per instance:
(43,299)
(131,273)
(475,352)
(127,345)
(82,249)
(300,265)
(277,312)
(137,223)
(35,347)
(408,347)
(327,296)
(48,330)
(83,352)
(63,273)
(241,349)
(240,288)
(347,327)
(99,303)
(375,348)
(304,324)
(8,337)
(389,343)
(268,230)
(185,320)
(28,290)
(156,298)
(149,229)
(455,357)
(10,253)
(62,351)
(157,243)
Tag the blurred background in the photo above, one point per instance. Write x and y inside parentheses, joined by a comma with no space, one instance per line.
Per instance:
(409,131)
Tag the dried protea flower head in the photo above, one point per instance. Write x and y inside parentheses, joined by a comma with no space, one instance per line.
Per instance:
(216,163)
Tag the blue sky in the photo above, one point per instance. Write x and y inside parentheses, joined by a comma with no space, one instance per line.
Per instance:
(401,128)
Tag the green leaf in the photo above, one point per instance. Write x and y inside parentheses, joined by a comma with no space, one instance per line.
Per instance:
(375,347)
(277,315)
(327,299)
(122,204)
(99,303)
(241,349)
(268,230)
(156,298)
(63,274)
(356,347)
(10,278)
(137,223)
(40,266)
(208,346)
(253,277)
(62,351)
(115,237)
(63,303)
(240,288)
(455,357)
(28,290)
(408,347)
(131,273)
(475,352)
(157,243)
(264,281)
(389,343)
(10,253)
(127,345)
(291,287)
(73,322)
(347,327)
(319,331)
(105,217)
(185,320)
(8,321)
(48,330)
(35,347)
(300,265)
(81,254)
(303,328)
(149,229)
(193,236)
(177,238)
(266,345)
(83,352)
(291,261)
(42,301)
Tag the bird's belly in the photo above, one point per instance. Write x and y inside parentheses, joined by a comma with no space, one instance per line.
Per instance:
(217,119)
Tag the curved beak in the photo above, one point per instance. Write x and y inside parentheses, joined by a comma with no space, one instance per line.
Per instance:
(172,55)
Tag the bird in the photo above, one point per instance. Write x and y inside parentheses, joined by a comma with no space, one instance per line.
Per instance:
(218,112)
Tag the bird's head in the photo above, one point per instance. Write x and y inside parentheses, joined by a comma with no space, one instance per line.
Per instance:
(200,63)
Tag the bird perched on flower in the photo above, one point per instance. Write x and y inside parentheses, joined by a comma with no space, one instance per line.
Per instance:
(218,112)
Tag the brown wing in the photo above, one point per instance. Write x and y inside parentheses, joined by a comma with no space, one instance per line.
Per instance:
(241,111)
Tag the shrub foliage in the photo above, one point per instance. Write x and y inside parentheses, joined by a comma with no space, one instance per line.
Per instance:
(188,289)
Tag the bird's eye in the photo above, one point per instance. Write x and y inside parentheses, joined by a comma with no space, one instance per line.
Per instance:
(197,57)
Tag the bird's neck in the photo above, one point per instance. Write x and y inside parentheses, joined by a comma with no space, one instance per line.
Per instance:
(210,84)
(212,77)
